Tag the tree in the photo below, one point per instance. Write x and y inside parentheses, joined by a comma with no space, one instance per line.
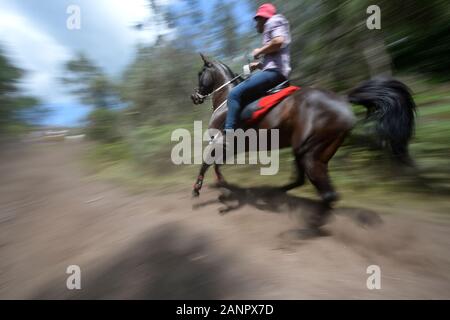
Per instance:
(15,108)
(158,83)
(94,88)
(90,83)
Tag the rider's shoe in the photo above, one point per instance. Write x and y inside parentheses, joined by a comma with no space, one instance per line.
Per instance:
(223,140)
(223,137)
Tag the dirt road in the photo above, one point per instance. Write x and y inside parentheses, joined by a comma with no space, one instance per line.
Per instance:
(157,246)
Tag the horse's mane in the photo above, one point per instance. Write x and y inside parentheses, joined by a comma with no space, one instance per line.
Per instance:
(228,70)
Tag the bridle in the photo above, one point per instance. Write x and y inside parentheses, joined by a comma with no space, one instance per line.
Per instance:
(201,98)
(219,88)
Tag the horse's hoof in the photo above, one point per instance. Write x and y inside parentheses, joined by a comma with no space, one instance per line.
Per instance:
(195,193)
(330,197)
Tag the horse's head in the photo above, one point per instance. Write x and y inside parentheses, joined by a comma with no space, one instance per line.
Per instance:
(206,81)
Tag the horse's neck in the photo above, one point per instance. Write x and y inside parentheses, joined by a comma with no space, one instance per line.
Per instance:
(220,96)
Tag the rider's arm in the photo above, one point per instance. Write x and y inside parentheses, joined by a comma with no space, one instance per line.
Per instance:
(272,46)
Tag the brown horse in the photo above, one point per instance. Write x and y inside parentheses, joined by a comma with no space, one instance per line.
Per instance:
(315,122)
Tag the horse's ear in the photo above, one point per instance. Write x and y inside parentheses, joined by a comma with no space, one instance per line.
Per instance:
(205,60)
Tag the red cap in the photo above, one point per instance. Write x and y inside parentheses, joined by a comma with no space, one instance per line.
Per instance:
(267,10)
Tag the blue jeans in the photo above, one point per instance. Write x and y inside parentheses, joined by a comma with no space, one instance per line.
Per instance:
(251,89)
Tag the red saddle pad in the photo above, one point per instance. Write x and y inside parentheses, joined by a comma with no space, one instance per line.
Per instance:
(266,103)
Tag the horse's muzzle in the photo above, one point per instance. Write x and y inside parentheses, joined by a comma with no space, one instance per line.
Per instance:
(197,98)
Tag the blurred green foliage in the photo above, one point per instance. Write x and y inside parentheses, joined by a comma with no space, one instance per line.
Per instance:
(16,109)
(158,83)
(103,125)
(88,82)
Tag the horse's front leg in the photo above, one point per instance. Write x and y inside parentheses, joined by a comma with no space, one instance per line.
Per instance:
(210,159)
(199,183)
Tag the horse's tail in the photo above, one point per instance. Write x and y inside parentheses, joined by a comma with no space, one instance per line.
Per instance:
(390,104)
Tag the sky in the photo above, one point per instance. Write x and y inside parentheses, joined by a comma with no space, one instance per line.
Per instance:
(35,36)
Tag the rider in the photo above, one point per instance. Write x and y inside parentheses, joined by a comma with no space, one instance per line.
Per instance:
(275,65)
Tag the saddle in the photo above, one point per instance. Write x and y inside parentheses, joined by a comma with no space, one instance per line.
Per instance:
(256,110)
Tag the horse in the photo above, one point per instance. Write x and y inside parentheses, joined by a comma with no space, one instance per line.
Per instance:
(315,122)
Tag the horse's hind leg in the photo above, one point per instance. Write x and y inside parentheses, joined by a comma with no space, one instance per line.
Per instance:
(300,171)
(317,172)
(316,167)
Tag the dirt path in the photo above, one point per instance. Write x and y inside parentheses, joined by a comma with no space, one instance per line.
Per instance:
(153,246)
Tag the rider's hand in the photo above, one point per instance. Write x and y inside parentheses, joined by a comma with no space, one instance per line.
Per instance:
(254,65)
(256,53)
